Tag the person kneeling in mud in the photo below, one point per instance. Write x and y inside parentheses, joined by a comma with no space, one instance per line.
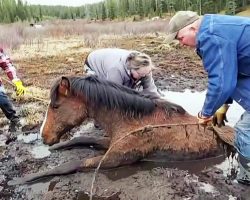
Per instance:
(5,103)
(125,67)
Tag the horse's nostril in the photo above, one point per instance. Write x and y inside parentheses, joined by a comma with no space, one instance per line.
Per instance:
(44,142)
(50,141)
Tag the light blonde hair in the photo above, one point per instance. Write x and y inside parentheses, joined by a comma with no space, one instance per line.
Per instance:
(137,60)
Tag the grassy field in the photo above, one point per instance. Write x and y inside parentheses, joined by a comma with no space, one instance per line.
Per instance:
(245,13)
(92,33)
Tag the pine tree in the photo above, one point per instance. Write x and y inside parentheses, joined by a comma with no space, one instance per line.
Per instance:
(104,14)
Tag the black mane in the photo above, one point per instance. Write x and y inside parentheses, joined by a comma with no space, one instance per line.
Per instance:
(99,92)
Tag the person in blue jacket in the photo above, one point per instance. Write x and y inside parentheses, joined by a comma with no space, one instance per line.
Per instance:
(223,43)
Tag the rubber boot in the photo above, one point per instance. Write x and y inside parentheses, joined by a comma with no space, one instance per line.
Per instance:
(243,176)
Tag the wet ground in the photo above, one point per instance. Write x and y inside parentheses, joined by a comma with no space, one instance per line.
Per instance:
(155,178)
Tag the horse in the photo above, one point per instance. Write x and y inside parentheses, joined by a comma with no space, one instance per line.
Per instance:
(136,125)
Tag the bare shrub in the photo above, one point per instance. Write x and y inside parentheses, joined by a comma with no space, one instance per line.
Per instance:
(32,113)
(12,36)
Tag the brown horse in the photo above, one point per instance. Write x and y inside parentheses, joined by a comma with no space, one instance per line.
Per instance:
(123,114)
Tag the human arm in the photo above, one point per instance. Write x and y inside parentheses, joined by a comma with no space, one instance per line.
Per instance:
(7,66)
(220,61)
(10,70)
(115,75)
(149,87)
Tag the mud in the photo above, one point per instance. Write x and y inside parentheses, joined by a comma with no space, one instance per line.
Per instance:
(177,70)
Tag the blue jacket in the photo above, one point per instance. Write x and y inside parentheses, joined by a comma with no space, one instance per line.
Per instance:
(223,42)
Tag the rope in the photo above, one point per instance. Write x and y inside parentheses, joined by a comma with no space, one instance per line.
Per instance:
(28,92)
(143,129)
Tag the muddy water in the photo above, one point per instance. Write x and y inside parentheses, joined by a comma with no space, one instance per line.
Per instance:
(193,102)
(192,166)
(38,150)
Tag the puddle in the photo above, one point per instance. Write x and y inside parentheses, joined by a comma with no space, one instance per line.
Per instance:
(38,149)
(230,197)
(208,188)
(192,166)
(29,138)
(3,139)
(228,165)
(85,196)
(193,102)
(84,128)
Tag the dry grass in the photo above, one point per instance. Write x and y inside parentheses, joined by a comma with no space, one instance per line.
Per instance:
(33,94)
(245,13)
(12,36)
(32,113)
(60,47)
(31,110)
(3,121)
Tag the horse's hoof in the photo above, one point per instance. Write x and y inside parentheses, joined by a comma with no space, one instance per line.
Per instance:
(15,181)
(55,147)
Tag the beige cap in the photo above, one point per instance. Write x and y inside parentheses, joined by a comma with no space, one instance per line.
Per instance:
(180,20)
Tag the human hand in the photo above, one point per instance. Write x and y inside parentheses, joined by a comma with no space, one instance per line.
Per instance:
(20,89)
(220,117)
(203,120)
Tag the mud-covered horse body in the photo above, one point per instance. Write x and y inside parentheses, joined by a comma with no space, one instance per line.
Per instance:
(120,112)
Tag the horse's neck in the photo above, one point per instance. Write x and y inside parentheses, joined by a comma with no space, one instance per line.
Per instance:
(109,120)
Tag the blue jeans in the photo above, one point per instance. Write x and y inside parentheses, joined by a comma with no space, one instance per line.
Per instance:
(242,136)
(7,106)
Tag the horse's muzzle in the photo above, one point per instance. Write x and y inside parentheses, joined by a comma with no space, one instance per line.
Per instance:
(50,142)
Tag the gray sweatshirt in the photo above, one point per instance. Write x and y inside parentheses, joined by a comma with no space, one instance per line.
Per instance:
(110,64)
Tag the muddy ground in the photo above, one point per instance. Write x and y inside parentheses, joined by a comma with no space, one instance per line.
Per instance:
(177,69)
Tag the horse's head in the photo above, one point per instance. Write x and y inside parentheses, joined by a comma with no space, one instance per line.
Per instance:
(65,111)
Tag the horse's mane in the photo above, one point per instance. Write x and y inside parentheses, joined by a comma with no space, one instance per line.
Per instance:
(100,92)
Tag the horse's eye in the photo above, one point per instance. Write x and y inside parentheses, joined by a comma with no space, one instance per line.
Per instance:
(55,106)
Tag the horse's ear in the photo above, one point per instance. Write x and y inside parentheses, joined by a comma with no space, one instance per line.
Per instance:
(64,86)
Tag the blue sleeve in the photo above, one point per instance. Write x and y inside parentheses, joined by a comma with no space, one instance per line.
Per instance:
(220,61)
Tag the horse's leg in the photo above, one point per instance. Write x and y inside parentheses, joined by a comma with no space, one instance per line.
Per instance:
(65,168)
(97,142)
(113,159)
